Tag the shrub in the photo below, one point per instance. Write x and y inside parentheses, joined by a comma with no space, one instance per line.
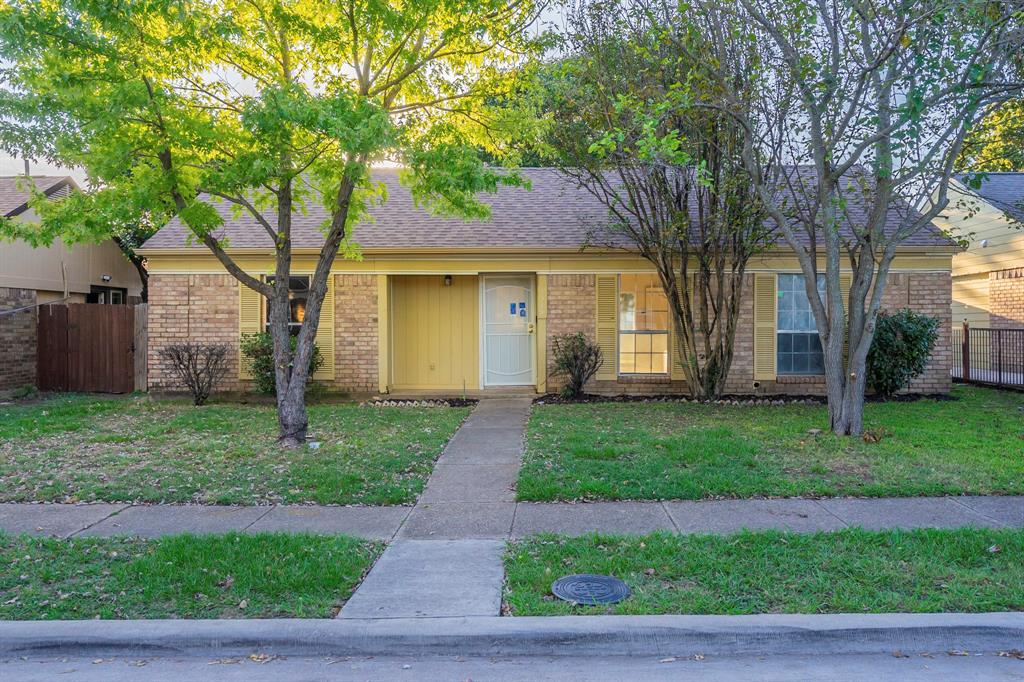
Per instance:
(900,350)
(200,366)
(577,359)
(259,348)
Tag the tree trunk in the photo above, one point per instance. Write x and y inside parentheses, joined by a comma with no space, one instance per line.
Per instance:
(292,420)
(138,263)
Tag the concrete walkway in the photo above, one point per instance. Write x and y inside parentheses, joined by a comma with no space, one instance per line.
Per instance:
(446,558)
(504,520)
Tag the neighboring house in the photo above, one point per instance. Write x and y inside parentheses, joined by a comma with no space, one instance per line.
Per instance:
(441,305)
(30,276)
(988,277)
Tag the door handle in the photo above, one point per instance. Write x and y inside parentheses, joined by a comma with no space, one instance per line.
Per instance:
(529,328)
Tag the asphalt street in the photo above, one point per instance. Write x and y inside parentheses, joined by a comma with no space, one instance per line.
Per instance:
(962,666)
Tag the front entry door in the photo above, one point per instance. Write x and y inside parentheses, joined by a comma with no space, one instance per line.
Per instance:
(508,331)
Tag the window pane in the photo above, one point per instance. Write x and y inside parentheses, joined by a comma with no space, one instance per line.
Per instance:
(643,363)
(659,363)
(785,363)
(627,310)
(643,308)
(642,303)
(626,364)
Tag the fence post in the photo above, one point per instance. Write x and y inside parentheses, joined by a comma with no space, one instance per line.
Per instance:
(999,355)
(965,352)
(140,343)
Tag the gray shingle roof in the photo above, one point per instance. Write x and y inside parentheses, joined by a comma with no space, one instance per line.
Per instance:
(553,214)
(1005,191)
(14,199)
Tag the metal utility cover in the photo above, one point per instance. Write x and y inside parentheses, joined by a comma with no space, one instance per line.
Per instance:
(590,589)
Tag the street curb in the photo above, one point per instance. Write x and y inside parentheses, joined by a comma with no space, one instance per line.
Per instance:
(526,636)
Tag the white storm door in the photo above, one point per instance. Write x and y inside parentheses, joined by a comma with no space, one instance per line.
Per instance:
(508,331)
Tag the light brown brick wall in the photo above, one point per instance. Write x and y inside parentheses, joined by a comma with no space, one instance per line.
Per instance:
(1006,299)
(204,308)
(355,325)
(929,293)
(571,308)
(200,308)
(17,341)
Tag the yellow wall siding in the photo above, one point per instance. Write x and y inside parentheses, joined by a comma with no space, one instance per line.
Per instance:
(971,300)
(585,262)
(435,332)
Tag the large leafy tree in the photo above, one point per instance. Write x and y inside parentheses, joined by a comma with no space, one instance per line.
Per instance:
(997,145)
(863,108)
(628,121)
(267,105)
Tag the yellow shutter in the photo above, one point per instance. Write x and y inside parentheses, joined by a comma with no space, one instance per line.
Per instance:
(250,321)
(607,325)
(325,334)
(845,282)
(678,368)
(765,301)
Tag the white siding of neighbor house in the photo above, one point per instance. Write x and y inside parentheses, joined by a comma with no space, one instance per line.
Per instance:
(24,267)
(1004,246)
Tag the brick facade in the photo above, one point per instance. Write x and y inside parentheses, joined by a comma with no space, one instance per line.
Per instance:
(572,308)
(183,308)
(1006,299)
(17,341)
(355,330)
(204,308)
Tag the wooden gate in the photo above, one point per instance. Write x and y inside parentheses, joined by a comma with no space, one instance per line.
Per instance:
(86,347)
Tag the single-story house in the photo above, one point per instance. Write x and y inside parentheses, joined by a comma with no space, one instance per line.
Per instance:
(988,277)
(95,273)
(444,306)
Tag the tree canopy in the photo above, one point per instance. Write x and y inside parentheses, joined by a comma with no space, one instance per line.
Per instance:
(268,105)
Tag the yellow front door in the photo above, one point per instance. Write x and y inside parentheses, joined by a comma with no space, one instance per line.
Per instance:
(435,332)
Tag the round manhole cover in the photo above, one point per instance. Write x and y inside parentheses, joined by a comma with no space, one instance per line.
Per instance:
(589,589)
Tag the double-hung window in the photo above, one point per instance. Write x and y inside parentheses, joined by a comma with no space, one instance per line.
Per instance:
(298,293)
(799,348)
(643,325)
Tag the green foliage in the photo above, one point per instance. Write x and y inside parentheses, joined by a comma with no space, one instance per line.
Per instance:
(900,349)
(577,359)
(997,145)
(259,348)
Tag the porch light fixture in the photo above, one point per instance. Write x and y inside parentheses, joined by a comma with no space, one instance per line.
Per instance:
(447,280)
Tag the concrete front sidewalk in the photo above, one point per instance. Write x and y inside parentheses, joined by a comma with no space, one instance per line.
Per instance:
(504,520)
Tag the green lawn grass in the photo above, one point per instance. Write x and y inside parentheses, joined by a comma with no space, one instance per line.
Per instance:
(213,576)
(88,448)
(848,571)
(640,451)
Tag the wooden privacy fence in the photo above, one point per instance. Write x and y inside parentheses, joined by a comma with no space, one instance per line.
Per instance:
(91,347)
(993,357)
